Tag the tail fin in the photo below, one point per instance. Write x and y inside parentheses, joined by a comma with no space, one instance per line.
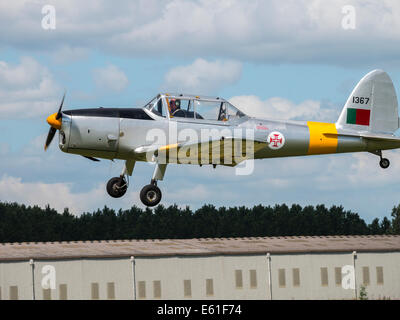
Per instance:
(372,106)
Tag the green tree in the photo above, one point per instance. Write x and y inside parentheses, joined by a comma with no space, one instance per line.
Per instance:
(396,220)
(31,223)
(386,226)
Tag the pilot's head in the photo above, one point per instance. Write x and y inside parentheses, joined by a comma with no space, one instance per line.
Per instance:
(178,103)
(172,104)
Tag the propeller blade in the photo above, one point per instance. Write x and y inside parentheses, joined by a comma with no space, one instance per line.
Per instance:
(50,137)
(58,116)
(54,125)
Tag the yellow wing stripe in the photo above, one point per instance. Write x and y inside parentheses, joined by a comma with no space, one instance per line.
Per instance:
(168,147)
(323,138)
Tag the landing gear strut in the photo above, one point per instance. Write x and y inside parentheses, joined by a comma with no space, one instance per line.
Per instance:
(150,195)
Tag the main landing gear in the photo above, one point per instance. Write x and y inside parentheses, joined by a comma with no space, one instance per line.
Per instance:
(384,162)
(150,195)
(117,186)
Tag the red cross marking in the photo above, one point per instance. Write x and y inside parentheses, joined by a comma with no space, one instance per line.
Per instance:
(275,140)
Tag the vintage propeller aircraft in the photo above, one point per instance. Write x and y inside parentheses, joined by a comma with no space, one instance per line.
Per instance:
(188,129)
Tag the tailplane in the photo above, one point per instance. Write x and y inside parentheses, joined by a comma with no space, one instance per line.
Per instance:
(372,106)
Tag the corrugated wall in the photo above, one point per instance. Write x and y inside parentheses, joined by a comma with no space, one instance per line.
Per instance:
(293,276)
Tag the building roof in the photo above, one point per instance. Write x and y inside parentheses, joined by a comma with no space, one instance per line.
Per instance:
(209,246)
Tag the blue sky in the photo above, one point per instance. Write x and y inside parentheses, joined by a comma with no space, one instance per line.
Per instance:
(281,59)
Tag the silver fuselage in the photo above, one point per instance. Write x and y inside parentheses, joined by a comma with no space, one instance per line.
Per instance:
(115,134)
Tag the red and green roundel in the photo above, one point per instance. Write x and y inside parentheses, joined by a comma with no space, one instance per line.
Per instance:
(358,116)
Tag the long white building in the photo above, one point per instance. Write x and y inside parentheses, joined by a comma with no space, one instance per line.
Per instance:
(331,267)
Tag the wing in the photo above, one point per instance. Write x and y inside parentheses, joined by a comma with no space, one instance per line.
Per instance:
(228,151)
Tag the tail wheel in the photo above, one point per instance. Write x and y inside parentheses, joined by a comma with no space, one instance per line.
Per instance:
(150,195)
(384,163)
(116,187)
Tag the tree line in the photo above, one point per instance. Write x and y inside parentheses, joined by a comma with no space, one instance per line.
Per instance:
(20,223)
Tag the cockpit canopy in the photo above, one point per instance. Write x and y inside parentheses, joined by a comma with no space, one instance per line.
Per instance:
(193,107)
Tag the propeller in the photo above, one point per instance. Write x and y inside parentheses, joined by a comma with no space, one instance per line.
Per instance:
(55,124)
(58,116)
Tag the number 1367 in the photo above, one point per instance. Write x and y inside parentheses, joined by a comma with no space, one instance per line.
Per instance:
(360,100)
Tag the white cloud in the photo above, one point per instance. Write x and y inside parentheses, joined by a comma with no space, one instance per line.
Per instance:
(27,90)
(181,195)
(202,76)
(58,195)
(284,109)
(66,53)
(110,78)
(269,31)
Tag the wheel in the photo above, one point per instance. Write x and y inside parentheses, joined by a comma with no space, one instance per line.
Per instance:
(150,195)
(116,187)
(384,163)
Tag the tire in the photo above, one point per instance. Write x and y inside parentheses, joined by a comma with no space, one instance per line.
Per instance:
(384,163)
(150,195)
(116,188)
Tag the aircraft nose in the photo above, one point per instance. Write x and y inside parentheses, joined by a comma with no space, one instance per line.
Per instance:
(53,121)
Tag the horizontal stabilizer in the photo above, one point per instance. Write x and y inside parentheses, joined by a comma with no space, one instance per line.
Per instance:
(366,135)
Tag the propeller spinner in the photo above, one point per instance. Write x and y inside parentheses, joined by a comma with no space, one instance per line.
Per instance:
(54,121)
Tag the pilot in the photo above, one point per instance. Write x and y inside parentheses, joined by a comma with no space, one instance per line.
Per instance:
(174,105)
